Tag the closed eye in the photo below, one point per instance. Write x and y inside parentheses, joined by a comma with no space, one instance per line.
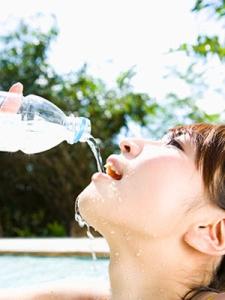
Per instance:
(175,143)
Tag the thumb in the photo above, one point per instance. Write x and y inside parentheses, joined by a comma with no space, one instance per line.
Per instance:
(12,103)
(16,88)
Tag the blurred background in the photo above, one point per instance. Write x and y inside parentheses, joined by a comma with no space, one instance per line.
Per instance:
(135,68)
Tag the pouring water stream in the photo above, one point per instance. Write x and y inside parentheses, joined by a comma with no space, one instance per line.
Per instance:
(96,151)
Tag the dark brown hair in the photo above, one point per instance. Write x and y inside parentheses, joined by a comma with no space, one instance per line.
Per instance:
(209,142)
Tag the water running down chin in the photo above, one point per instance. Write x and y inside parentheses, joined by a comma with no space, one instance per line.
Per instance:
(81,222)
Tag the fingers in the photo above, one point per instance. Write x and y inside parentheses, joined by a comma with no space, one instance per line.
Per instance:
(13,103)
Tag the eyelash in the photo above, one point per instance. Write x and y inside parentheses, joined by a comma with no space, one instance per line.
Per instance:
(175,143)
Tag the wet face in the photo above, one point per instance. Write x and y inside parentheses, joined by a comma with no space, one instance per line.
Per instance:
(148,188)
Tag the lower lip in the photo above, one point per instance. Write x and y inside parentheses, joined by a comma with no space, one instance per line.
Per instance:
(100,175)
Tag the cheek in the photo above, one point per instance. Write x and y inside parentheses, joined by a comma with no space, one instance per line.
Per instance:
(158,192)
(151,198)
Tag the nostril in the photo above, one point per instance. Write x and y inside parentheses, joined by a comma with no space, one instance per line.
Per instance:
(127,148)
(130,147)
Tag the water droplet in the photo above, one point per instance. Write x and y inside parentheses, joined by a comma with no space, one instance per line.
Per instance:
(79,220)
(139,252)
(154,235)
(112,232)
(117,254)
(90,235)
(127,236)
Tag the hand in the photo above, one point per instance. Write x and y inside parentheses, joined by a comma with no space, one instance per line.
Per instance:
(12,104)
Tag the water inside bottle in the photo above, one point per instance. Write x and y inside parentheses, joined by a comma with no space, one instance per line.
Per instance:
(32,136)
(36,136)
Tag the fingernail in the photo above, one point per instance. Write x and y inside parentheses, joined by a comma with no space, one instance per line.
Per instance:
(17,87)
(18,84)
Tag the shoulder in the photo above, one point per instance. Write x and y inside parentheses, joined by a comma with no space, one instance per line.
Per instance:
(212,296)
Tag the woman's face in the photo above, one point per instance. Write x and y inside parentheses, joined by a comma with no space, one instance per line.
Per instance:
(159,183)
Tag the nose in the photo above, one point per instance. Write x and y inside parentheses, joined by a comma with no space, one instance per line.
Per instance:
(131,147)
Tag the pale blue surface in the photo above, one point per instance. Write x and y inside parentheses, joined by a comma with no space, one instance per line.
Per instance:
(20,271)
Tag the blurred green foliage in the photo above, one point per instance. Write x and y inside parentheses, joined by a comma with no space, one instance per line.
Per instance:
(205,44)
(216,7)
(38,191)
(207,53)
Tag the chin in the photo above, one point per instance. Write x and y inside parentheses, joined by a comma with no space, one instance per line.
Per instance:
(88,203)
(98,203)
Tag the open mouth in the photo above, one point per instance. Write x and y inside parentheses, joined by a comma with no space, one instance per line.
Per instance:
(112,171)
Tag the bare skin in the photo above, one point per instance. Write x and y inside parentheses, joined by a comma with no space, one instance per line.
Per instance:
(162,232)
(159,252)
(12,104)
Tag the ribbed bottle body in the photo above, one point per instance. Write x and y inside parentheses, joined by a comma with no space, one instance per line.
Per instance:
(33,124)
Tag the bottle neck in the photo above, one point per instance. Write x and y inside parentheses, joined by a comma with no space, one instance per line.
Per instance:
(80,129)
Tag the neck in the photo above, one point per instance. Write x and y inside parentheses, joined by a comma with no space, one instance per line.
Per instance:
(143,270)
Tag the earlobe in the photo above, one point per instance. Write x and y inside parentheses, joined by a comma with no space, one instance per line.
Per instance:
(208,239)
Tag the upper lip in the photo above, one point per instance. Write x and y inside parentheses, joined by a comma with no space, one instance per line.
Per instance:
(114,162)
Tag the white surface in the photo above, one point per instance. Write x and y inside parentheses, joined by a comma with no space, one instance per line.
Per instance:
(53,245)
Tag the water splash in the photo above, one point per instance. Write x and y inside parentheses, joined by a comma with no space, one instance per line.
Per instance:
(96,151)
(91,238)
(81,222)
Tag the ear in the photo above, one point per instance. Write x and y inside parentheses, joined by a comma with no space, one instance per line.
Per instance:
(208,239)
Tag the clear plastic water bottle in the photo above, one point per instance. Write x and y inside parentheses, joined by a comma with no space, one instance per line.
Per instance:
(32,124)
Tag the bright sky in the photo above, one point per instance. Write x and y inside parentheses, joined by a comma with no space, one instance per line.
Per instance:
(114,35)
